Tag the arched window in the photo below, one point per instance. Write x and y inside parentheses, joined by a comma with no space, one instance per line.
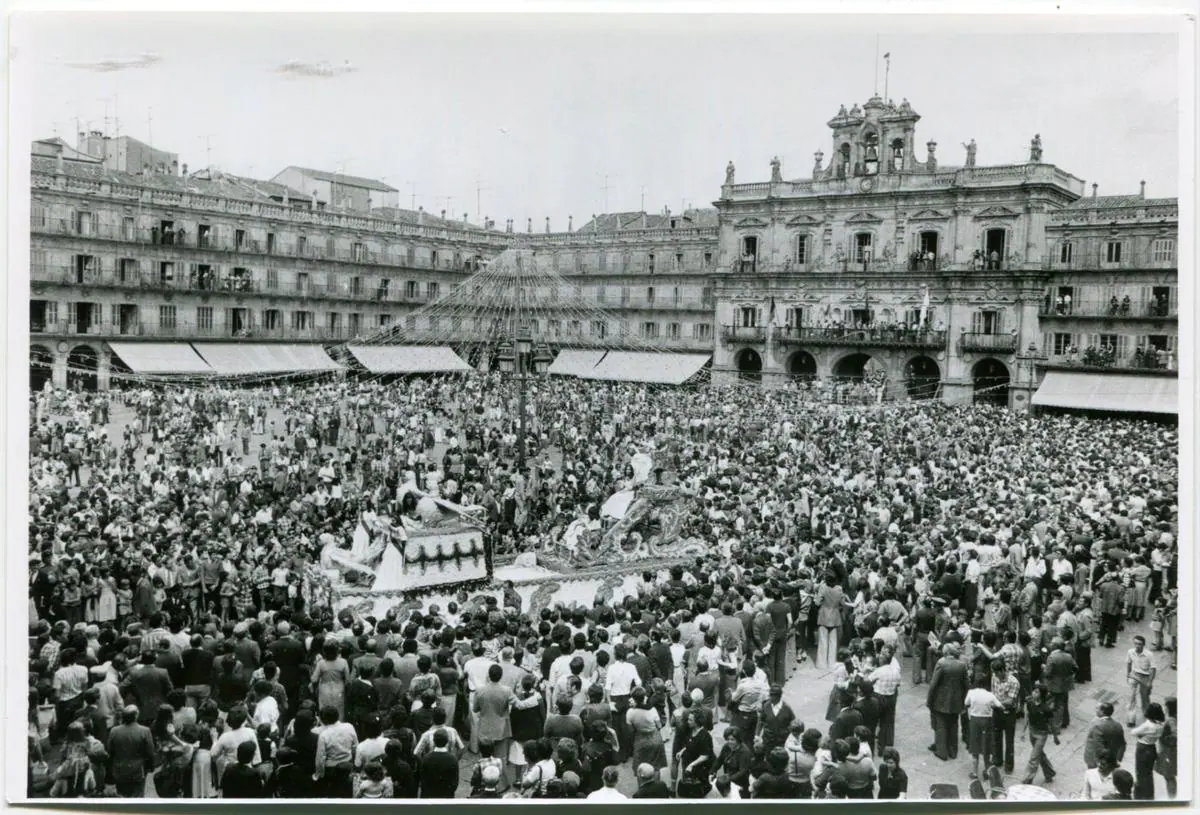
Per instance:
(871,153)
(897,155)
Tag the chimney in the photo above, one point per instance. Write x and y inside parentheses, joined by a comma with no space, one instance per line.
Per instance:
(443,215)
(464,217)
(643,220)
(185,169)
(570,223)
(547,224)
(1095,190)
(420,215)
(595,225)
(1143,189)
(529,225)
(174,165)
(487,222)
(81,142)
(58,160)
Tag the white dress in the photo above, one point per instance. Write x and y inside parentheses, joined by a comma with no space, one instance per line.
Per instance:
(390,575)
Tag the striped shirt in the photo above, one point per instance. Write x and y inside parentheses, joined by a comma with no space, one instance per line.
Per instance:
(1007,690)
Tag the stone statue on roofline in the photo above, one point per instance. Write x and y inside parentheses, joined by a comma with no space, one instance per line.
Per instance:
(729,173)
(776,171)
(970,153)
(1035,148)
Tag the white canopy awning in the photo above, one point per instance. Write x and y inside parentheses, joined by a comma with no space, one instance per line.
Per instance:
(232,359)
(1085,390)
(408,359)
(160,358)
(654,368)
(575,362)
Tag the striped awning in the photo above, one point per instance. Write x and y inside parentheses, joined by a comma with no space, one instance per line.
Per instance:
(1085,390)
(408,359)
(160,358)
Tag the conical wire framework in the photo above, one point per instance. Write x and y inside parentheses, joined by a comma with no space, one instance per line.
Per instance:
(517,294)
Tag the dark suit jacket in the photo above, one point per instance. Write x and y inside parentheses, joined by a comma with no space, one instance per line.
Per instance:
(361,700)
(775,726)
(844,724)
(653,789)
(130,752)
(948,687)
(149,687)
(762,631)
(1104,734)
(439,775)
(197,666)
(241,781)
(1059,672)
(288,654)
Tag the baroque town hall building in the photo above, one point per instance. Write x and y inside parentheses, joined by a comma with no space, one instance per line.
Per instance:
(1013,284)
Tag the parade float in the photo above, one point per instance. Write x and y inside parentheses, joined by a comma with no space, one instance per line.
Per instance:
(431,558)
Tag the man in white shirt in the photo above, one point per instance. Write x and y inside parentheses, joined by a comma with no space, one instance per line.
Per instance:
(621,680)
(609,791)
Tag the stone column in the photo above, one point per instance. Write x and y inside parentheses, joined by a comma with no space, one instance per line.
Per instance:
(58,369)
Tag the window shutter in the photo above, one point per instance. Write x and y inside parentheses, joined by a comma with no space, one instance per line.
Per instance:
(1047,343)
(1141,341)
(1172,341)
(977,322)
(1174,300)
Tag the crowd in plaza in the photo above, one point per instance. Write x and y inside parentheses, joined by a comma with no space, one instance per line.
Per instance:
(179,643)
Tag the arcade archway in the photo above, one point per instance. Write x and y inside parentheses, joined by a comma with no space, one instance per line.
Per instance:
(749,365)
(991,380)
(854,366)
(802,366)
(922,377)
(41,363)
(82,366)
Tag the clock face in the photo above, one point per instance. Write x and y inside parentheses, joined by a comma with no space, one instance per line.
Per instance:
(867,184)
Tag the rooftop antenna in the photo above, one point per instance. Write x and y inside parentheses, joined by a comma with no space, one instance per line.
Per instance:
(643,207)
(478,189)
(606,188)
(150,126)
(413,187)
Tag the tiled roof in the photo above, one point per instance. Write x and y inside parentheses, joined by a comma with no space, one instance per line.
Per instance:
(408,216)
(342,178)
(220,184)
(49,147)
(616,221)
(1121,201)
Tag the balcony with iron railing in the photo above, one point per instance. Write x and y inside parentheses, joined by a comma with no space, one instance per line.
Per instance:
(1142,360)
(987,343)
(1124,308)
(152,237)
(187,330)
(743,333)
(127,194)
(844,265)
(1086,258)
(875,337)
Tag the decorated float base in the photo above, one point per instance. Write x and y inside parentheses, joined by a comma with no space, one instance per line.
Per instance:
(540,585)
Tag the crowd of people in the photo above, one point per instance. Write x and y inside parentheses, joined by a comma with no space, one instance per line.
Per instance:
(178,643)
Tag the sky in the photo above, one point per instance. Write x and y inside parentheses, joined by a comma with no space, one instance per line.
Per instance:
(529,116)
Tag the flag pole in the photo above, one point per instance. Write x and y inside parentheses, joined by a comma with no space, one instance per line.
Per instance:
(875,92)
(887,69)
